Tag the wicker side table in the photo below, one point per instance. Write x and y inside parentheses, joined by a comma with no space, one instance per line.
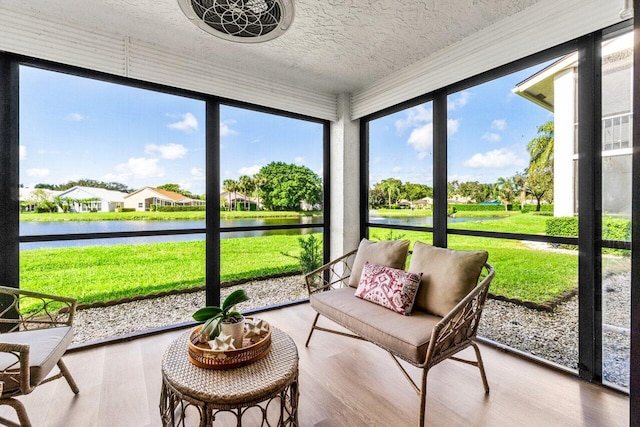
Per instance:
(269,384)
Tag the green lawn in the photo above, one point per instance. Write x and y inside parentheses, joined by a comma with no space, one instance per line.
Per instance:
(521,272)
(152,216)
(101,273)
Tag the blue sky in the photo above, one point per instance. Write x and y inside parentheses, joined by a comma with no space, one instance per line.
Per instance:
(74,128)
(488,131)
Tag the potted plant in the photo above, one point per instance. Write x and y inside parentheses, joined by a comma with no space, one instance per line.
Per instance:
(223,319)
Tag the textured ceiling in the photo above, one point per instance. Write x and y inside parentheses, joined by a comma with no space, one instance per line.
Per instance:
(333,46)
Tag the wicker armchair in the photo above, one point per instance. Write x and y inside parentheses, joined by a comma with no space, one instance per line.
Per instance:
(452,333)
(37,330)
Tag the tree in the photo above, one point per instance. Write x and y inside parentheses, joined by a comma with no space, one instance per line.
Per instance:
(519,184)
(258,181)
(114,186)
(176,189)
(506,189)
(539,183)
(246,186)
(541,149)
(287,185)
(414,192)
(230,186)
(391,187)
(377,198)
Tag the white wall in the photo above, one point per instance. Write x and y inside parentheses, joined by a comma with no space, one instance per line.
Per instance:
(564,119)
(345,180)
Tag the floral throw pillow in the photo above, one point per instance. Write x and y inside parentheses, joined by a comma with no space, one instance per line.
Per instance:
(389,287)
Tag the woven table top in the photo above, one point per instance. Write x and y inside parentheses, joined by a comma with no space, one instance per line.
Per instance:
(252,383)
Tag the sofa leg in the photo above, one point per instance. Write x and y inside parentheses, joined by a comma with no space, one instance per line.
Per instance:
(423,398)
(21,412)
(313,326)
(67,376)
(481,367)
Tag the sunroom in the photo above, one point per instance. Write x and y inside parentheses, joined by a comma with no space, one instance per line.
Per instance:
(467,124)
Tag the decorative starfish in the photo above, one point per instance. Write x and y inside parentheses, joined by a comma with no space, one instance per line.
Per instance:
(222,342)
(255,328)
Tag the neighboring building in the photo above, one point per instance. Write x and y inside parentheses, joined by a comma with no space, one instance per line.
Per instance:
(91,199)
(142,199)
(30,198)
(554,88)
(424,203)
(306,206)
(233,199)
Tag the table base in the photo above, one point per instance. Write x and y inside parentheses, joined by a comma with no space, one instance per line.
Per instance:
(173,406)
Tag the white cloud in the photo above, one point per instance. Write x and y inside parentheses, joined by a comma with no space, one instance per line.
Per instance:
(74,117)
(452,126)
(225,128)
(169,151)
(140,168)
(23,152)
(197,173)
(38,173)
(299,160)
(459,102)
(494,159)
(188,123)
(421,139)
(499,124)
(491,137)
(249,170)
(396,169)
(415,117)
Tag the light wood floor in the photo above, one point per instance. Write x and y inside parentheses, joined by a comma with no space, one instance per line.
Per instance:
(343,382)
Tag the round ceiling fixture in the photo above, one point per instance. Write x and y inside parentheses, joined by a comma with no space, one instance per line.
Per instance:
(244,21)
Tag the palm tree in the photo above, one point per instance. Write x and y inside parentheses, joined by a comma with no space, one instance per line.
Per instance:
(506,189)
(541,148)
(258,181)
(245,183)
(229,185)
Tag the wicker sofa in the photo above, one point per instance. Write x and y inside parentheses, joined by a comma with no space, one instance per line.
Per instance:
(442,323)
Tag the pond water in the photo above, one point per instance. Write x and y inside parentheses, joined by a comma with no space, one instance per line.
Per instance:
(33,228)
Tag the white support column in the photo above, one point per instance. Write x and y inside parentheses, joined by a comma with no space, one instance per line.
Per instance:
(564,115)
(345,180)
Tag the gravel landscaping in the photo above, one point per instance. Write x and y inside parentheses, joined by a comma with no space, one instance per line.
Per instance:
(549,335)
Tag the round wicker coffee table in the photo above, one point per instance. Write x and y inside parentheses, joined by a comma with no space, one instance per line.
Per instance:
(266,389)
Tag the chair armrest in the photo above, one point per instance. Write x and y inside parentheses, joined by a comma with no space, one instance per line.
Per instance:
(331,275)
(459,327)
(34,310)
(17,373)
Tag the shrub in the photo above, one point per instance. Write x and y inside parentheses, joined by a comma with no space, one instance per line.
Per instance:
(612,229)
(460,207)
(178,208)
(310,257)
(566,226)
(616,229)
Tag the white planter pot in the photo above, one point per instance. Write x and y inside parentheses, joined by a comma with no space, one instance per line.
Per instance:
(236,330)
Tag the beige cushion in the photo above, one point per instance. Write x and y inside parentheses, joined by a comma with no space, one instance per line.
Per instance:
(405,335)
(389,253)
(447,276)
(46,347)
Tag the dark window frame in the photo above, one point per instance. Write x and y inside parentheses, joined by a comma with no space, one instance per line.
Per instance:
(10,238)
(590,292)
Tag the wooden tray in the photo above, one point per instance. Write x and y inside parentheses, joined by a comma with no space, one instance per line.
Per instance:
(203,356)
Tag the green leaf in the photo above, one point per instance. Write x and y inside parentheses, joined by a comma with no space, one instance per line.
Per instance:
(206,313)
(235,297)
